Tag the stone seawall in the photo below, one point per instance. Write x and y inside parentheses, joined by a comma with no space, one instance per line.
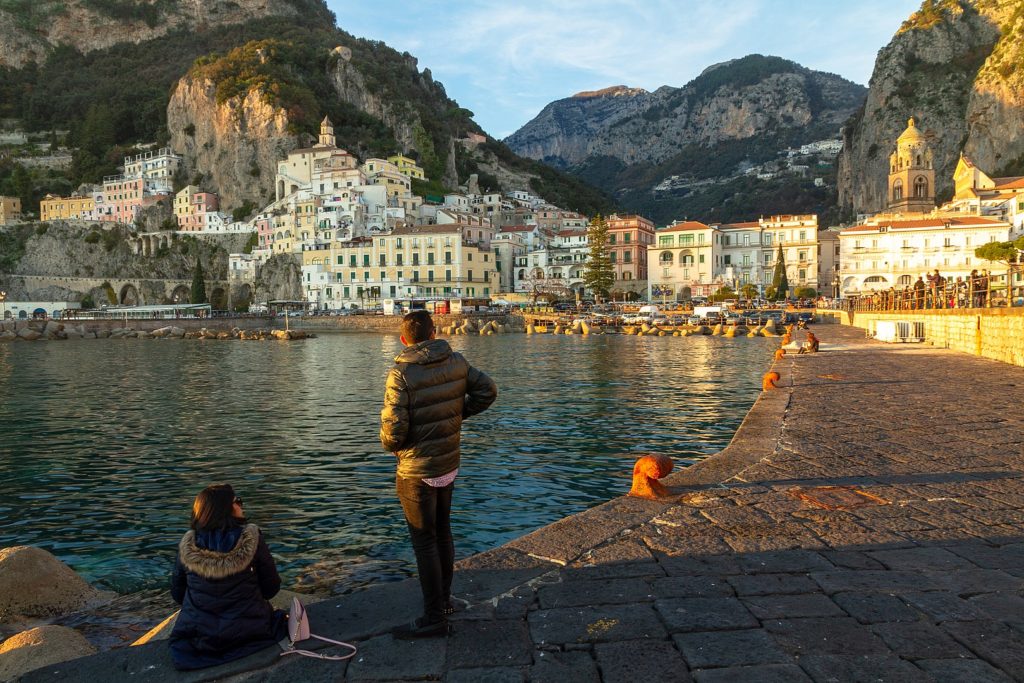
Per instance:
(188,324)
(388,323)
(994,333)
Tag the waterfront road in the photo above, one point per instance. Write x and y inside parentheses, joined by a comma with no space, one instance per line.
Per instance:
(866,523)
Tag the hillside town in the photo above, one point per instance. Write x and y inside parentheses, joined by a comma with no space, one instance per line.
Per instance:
(364,237)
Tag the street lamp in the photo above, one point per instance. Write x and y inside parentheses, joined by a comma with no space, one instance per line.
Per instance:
(3,304)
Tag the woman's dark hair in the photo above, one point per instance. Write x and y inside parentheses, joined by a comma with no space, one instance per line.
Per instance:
(212,509)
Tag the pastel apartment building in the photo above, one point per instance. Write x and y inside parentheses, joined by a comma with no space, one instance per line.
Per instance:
(407,166)
(73,208)
(423,261)
(10,210)
(192,206)
(629,237)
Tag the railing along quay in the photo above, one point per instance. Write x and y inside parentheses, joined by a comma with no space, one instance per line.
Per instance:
(980,292)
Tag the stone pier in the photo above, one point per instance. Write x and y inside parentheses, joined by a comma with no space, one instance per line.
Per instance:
(864,524)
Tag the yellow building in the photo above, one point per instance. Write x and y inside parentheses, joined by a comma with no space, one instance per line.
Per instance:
(66,208)
(10,210)
(407,166)
(422,261)
(397,185)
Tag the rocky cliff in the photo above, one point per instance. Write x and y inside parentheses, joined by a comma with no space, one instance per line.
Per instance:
(61,261)
(736,100)
(235,145)
(955,67)
(31,29)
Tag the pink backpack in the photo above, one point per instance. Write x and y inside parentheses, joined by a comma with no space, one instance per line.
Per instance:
(298,630)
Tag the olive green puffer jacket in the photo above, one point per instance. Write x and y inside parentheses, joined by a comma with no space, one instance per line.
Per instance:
(429,392)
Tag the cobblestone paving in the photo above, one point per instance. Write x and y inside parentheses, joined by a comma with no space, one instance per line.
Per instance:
(868,528)
(759,580)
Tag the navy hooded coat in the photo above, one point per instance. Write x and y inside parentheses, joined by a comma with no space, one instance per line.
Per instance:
(222,580)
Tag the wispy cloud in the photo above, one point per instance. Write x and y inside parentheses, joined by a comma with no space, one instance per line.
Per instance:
(506,61)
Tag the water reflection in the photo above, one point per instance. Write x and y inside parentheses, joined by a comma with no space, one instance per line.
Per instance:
(104,444)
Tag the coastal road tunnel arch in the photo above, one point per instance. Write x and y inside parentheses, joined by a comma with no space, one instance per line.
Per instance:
(181,295)
(219,299)
(129,296)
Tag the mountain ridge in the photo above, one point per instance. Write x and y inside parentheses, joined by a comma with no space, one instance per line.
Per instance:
(741,111)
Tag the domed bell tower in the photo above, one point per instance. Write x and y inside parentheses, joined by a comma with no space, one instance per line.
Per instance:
(326,134)
(911,173)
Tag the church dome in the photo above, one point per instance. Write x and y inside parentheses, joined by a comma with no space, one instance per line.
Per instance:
(911,134)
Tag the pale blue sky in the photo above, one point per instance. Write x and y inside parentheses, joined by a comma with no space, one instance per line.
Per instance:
(505,60)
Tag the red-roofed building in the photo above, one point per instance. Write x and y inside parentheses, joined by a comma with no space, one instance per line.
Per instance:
(629,237)
(892,250)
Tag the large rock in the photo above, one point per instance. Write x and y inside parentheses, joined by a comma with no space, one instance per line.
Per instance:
(34,583)
(39,647)
(8,335)
(28,334)
(225,141)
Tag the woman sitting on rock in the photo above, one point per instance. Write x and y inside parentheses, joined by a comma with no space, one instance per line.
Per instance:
(222,579)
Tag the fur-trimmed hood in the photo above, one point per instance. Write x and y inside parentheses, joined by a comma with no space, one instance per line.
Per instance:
(211,564)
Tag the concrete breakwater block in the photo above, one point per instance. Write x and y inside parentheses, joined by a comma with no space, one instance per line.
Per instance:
(34,583)
(39,647)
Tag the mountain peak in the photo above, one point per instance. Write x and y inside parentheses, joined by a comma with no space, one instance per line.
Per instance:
(613,91)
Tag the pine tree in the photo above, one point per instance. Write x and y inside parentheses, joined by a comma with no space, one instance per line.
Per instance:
(780,283)
(198,285)
(598,275)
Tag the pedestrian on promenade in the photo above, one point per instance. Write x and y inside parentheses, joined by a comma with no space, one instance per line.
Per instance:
(919,288)
(983,285)
(811,345)
(960,293)
(973,280)
(222,579)
(429,392)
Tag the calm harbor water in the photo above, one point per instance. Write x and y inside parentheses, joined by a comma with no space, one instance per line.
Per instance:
(103,444)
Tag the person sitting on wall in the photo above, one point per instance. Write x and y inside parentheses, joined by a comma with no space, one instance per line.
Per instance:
(222,579)
(811,345)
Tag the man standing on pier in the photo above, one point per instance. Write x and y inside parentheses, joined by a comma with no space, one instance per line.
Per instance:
(429,392)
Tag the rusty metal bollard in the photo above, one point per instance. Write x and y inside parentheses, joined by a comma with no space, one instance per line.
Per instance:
(768,382)
(646,473)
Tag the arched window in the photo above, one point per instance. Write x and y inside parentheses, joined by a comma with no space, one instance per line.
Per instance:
(904,280)
(522,274)
(918,159)
(920,187)
(897,190)
(687,259)
(665,258)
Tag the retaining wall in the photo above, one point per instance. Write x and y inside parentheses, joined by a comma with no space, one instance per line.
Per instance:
(249,323)
(994,333)
(385,323)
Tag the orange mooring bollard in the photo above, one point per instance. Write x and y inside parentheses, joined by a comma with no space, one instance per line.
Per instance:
(769,380)
(780,354)
(646,473)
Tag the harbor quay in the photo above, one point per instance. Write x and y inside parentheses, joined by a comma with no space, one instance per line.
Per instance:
(863,524)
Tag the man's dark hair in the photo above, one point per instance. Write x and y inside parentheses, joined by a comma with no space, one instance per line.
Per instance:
(417,327)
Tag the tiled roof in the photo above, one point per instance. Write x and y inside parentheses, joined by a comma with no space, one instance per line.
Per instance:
(1015,183)
(519,228)
(747,224)
(429,229)
(683,227)
(937,222)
